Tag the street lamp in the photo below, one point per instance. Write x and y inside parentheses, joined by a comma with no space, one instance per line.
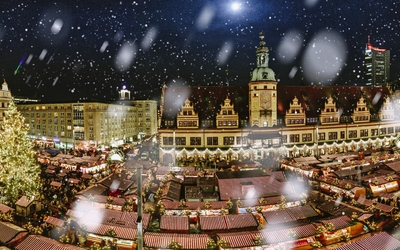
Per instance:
(139,169)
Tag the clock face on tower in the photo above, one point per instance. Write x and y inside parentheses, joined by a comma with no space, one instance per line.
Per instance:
(265,101)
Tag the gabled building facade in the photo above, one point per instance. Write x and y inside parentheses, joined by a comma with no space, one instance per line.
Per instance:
(265,119)
(5,99)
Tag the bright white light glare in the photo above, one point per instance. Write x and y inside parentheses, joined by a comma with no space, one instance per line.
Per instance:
(118,36)
(293,72)
(376,97)
(125,57)
(56,27)
(225,52)
(55,81)
(175,99)
(290,46)
(43,54)
(149,38)
(205,17)
(28,60)
(114,185)
(104,46)
(311,3)
(324,57)
(235,6)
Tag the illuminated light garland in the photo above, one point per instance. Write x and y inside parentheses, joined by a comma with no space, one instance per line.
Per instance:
(284,150)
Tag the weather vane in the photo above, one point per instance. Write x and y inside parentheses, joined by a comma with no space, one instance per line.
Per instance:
(262,35)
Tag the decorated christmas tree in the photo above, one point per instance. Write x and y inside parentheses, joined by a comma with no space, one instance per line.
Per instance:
(19,170)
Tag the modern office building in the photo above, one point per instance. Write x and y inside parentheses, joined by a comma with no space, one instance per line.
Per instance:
(65,124)
(377,65)
(263,119)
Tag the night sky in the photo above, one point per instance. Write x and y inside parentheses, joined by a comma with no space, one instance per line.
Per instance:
(87,50)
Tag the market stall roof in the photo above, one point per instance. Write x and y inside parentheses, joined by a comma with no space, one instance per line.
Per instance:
(271,200)
(24,201)
(172,205)
(273,234)
(122,232)
(10,231)
(304,159)
(116,182)
(174,223)
(333,208)
(173,190)
(34,242)
(5,208)
(73,180)
(104,199)
(339,222)
(212,222)
(378,241)
(63,156)
(55,221)
(230,221)
(110,217)
(87,176)
(364,217)
(237,221)
(240,174)
(75,214)
(263,186)
(187,241)
(353,171)
(289,214)
(56,184)
(93,190)
(90,158)
(49,171)
(394,165)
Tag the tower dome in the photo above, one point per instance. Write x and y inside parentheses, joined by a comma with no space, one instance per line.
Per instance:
(262,72)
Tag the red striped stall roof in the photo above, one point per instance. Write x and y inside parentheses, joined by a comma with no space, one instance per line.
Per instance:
(381,241)
(192,241)
(74,213)
(274,235)
(101,229)
(113,217)
(212,223)
(55,221)
(364,217)
(271,236)
(303,212)
(289,214)
(240,221)
(35,242)
(9,231)
(338,222)
(180,223)
(238,239)
(278,216)
(230,221)
(56,184)
(193,205)
(187,241)
(160,240)
(263,186)
(5,208)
